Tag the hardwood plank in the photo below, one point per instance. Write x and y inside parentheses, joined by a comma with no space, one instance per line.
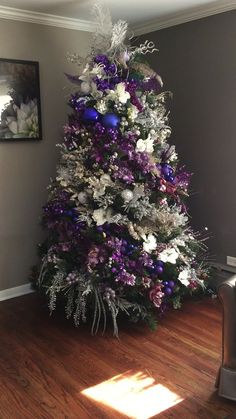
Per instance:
(46,364)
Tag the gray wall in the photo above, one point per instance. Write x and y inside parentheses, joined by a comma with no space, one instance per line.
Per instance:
(197,61)
(26,168)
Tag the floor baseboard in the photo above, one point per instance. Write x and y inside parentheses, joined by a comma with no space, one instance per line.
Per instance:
(15,292)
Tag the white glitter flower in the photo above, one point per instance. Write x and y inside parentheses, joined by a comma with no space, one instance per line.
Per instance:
(102,216)
(145,145)
(140,145)
(169,255)
(149,243)
(184,277)
(119,94)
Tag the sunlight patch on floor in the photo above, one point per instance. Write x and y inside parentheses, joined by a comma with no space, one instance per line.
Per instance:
(137,395)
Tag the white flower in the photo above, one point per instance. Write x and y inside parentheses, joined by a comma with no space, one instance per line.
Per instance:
(119,94)
(106,179)
(169,255)
(99,185)
(140,145)
(178,242)
(123,96)
(132,112)
(26,122)
(101,106)
(149,243)
(88,73)
(145,145)
(184,277)
(102,216)
(149,145)
(97,94)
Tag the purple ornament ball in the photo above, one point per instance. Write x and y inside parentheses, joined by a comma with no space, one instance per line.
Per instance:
(159,269)
(90,115)
(171,284)
(111,120)
(168,291)
(152,269)
(159,263)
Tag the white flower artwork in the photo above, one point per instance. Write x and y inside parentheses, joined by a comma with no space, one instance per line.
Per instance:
(25,123)
(19,100)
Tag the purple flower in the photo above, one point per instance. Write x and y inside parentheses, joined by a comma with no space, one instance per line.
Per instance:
(126,278)
(77,103)
(182,180)
(151,84)
(124,174)
(156,295)
(101,59)
(145,260)
(102,84)
(96,255)
(110,69)
(141,161)
(146,281)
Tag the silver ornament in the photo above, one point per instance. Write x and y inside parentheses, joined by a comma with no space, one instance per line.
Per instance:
(127,195)
(83,198)
(85,87)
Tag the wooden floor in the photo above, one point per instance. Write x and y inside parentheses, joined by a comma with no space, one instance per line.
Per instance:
(49,369)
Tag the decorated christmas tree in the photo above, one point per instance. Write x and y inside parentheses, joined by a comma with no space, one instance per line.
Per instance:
(119,239)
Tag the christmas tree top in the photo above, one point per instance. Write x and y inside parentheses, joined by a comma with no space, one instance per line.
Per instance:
(119,238)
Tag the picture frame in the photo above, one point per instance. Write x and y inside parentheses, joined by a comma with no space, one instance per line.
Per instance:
(20,106)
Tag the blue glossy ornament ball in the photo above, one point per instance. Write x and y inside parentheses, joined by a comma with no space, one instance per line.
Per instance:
(90,115)
(159,269)
(111,120)
(166,169)
(170,178)
(159,263)
(131,246)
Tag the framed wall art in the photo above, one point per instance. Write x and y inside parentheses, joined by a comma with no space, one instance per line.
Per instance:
(20,112)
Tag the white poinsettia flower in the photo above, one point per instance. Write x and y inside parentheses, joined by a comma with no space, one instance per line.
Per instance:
(140,145)
(119,94)
(169,255)
(149,145)
(184,277)
(106,179)
(145,145)
(88,73)
(101,216)
(99,185)
(25,124)
(149,243)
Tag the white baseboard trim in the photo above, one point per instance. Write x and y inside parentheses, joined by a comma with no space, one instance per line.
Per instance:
(15,292)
